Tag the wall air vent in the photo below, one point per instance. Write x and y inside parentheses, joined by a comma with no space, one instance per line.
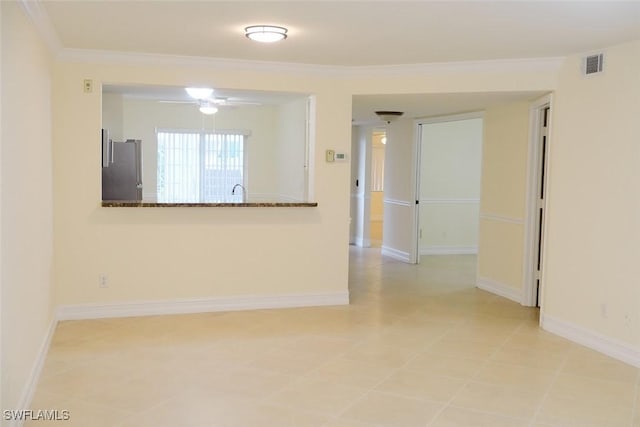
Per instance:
(593,64)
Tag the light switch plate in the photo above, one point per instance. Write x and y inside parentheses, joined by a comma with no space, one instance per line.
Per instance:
(330,156)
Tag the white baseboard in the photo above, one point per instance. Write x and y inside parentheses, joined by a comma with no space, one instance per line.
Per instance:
(396,254)
(198,305)
(32,382)
(501,289)
(362,242)
(449,250)
(611,347)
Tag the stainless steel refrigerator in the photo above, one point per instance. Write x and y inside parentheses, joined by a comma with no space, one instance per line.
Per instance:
(121,169)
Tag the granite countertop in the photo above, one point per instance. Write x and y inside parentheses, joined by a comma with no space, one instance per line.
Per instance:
(147,204)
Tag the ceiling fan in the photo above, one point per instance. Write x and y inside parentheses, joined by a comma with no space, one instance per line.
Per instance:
(207,103)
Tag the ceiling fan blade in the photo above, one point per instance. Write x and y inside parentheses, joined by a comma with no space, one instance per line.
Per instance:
(222,101)
(176,102)
(242,103)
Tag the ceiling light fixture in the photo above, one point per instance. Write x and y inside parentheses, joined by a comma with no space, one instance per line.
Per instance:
(389,116)
(265,33)
(199,92)
(207,108)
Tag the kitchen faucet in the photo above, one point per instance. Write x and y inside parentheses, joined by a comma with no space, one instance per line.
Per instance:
(244,191)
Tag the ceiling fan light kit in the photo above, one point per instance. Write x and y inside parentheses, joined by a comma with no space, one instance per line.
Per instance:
(206,102)
(265,33)
(199,92)
(207,108)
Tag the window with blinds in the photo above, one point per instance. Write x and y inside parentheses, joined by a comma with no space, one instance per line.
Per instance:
(196,166)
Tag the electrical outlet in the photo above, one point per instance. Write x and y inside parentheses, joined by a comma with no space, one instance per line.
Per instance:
(88,86)
(103,281)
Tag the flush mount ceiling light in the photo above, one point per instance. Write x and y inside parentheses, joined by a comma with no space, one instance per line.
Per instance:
(199,92)
(265,33)
(207,107)
(389,116)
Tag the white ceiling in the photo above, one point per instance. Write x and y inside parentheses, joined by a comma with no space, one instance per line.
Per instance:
(354,34)
(348,33)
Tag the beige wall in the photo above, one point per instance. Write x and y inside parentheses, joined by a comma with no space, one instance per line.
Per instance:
(27,230)
(172,253)
(376,218)
(377,205)
(289,150)
(591,264)
(450,186)
(503,196)
(113,115)
(2,369)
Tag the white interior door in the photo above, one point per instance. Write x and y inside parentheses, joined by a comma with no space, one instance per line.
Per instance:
(540,198)
(449,152)
(539,140)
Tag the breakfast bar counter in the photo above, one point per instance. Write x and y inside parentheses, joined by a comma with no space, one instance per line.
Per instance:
(148,204)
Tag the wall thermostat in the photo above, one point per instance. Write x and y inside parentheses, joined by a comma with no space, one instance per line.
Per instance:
(332,156)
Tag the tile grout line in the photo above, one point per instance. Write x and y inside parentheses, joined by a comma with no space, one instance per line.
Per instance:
(393,372)
(448,404)
(549,388)
(309,374)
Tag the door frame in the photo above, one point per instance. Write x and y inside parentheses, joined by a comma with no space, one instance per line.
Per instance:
(530,291)
(417,166)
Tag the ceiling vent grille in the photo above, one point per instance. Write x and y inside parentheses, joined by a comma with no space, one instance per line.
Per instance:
(593,64)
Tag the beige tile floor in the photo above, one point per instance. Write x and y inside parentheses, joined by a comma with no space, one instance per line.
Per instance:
(418,346)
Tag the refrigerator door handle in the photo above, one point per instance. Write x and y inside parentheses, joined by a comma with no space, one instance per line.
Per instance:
(112,156)
(138,145)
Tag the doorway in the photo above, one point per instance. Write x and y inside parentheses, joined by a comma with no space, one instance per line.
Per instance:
(376,218)
(448,185)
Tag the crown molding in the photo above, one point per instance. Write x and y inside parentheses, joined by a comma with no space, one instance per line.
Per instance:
(484,66)
(134,58)
(42,22)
